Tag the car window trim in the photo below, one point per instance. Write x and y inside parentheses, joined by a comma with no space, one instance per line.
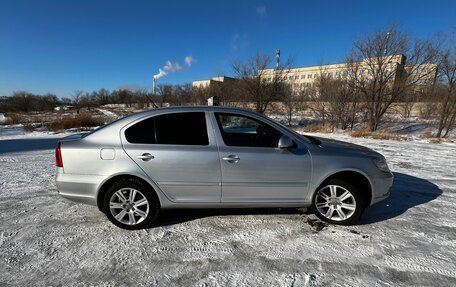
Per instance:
(220,128)
(206,119)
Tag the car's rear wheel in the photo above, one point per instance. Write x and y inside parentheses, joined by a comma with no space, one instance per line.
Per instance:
(338,202)
(131,204)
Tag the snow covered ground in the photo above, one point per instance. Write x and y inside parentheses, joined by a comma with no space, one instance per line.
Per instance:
(107,113)
(406,240)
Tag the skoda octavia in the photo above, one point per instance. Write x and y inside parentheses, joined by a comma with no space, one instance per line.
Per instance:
(215,157)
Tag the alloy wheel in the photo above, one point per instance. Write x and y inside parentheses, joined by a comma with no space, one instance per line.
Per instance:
(335,202)
(129,206)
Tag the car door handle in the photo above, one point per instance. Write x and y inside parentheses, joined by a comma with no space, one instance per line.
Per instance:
(231,158)
(146,156)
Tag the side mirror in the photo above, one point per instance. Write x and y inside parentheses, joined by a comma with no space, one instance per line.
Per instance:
(285,142)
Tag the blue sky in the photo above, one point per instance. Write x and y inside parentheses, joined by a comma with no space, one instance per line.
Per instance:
(66,45)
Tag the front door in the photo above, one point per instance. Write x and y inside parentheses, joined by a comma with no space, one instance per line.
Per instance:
(176,151)
(253,168)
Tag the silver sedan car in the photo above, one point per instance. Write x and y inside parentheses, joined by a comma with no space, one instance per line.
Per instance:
(215,157)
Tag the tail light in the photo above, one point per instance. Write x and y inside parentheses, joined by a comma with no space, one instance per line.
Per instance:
(58,155)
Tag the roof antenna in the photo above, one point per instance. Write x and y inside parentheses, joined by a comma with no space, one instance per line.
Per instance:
(154,84)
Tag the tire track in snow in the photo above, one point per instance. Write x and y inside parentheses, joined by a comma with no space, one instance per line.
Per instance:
(420,264)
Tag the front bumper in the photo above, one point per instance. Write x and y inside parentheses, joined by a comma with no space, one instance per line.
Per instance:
(381,186)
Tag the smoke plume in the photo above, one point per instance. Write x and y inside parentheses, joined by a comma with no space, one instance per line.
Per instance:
(171,67)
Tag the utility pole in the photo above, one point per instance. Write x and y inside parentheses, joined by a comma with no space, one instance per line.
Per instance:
(278,59)
(387,40)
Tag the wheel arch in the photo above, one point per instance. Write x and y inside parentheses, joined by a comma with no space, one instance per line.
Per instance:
(352,176)
(104,186)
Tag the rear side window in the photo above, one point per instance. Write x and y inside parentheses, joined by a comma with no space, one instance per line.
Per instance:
(174,129)
(142,132)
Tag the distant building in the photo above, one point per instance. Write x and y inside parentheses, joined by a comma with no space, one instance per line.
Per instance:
(299,78)
(213,82)
(214,89)
(302,77)
(63,108)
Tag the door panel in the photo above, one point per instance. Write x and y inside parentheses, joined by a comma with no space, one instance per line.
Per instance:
(261,171)
(185,172)
(264,174)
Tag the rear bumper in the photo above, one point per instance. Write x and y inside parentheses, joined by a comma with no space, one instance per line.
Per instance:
(381,186)
(79,188)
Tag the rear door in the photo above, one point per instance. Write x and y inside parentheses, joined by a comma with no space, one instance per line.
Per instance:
(177,152)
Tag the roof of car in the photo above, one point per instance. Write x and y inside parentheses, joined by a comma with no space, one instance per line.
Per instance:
(207,108)
(190,108)
(135,116)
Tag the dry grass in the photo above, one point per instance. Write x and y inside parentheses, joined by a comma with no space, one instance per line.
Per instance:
(432,137)
(78,121)
(14,119)
(361,132)
(28,127)
(385,136)
(318,128)
(427,135)
(436,140)
(379,135)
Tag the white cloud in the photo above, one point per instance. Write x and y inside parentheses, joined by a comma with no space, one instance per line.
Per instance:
(189,60)
(261,11)
(238,42)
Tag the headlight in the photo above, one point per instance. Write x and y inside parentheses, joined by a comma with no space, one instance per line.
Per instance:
(380,162)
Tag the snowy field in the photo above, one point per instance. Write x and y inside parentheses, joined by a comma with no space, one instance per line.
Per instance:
(406,240)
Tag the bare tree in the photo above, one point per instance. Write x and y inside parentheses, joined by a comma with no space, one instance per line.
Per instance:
(335,100)
(293,100)
(23,101)
(200,95)
(317,97)
(166,93)
(260,84)
(377,67)
(343,103)
(48,102)
(144,99)
(447,91)
(227,92)
(101,96)
(406,105)
(77,99)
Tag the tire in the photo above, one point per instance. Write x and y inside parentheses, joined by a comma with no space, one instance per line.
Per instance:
(131,204)
(338,202)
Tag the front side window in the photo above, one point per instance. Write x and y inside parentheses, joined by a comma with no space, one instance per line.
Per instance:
(239,130)
(174,129)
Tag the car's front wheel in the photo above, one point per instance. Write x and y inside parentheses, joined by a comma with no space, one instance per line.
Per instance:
(131,204)
(338,202)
